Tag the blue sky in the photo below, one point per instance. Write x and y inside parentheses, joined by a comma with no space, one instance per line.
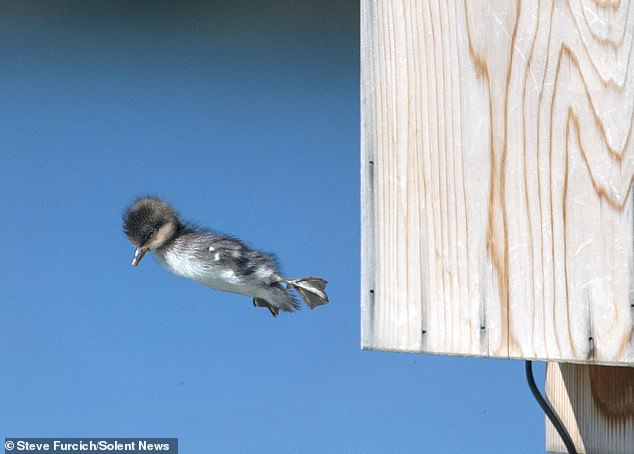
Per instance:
(245,115)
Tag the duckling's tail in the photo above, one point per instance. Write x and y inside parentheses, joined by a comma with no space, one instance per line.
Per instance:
(311,289)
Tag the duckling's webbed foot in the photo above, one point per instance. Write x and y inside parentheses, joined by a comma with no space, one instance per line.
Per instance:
(259,302)
(311,289)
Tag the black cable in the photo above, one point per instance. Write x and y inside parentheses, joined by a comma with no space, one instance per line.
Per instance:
(554,419)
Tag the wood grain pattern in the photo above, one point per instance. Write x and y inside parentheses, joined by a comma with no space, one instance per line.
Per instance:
(497,172)
(596,404)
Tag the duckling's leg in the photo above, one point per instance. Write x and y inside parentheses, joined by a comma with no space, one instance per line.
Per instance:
(259,302)
(311,289)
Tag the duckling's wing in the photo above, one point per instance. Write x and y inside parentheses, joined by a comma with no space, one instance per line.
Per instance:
(242,259)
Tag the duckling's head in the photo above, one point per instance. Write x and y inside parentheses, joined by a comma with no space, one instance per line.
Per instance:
(149,223)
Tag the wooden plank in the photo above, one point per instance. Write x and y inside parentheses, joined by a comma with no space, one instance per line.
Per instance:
(596,405)
(497,213)
(368,146)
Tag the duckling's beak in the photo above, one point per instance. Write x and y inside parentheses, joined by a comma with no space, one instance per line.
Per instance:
(138,255)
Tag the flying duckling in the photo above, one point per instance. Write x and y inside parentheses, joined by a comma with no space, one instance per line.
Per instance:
(217,261)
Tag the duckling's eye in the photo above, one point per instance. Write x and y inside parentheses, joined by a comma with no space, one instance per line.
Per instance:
(151,233)
(155,229)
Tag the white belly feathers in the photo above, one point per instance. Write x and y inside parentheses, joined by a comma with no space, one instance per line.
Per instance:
(218,278)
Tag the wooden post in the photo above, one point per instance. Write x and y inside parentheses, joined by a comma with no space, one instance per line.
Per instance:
(596,404)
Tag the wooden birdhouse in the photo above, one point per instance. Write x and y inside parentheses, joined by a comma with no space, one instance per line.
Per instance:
(497,169)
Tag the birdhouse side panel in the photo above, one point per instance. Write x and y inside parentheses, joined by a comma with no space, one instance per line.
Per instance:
(497,169)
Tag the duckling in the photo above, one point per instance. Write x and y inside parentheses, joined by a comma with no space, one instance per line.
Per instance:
(217,261)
